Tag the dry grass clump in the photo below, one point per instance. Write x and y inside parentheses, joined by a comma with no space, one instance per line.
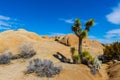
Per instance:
(25,51)
(43,68)
(5,58)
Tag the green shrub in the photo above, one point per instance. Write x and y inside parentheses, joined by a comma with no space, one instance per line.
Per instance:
(112,51)
(85,54)
(87,57)
(72,50)
(75,57)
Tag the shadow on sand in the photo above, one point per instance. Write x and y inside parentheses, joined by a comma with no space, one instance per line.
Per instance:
(61,57)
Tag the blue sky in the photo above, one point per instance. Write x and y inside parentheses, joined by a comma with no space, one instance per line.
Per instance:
(55,17)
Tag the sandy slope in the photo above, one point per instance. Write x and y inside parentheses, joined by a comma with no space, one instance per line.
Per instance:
(45,50)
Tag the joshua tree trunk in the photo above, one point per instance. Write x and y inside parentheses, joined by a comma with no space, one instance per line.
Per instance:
(80,49)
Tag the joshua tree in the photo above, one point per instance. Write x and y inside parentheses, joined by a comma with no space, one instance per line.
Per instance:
(81,33)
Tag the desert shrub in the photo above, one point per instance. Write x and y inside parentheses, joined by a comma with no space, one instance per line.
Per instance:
(97,65)
(94,63)
(5,58)
(72,50)
(87,58)
(112,51)
(85,53)
(26,51)
(43,68)
(93,70)
(75,57)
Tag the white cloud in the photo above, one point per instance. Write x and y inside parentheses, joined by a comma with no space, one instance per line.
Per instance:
(56,34)
(91,37)
(3,23)
(106,41)
(115,33)
(101,40)
(67,20)
(4,17)
(114,16)
(4,28)
(109,37)
(8,23)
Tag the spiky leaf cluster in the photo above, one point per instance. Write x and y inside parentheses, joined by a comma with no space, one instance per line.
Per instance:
(84,34)
(78,30)
(77,27)
(77,23)
(45,68)
(89,23)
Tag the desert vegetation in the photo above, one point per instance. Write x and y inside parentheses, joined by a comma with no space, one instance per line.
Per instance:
(43,68)
(25,51)
(111,52)
(93,63)
(5,58)
(84,56)
(46,68)
(81,33)
(75,57)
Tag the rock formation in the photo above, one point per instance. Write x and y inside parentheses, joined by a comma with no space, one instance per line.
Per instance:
(94,47)
(45,49)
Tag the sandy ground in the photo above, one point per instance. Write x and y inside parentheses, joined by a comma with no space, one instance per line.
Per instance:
(45,50)
(114,71)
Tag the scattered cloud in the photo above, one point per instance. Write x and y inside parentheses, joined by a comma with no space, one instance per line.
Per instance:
(71,21)
(115,33)
(4,28)
(109,37)
(101,40)
(4,17)
(114,16)
(3,23)
(56,34)
(8,23)
(92,37)
(67,20)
